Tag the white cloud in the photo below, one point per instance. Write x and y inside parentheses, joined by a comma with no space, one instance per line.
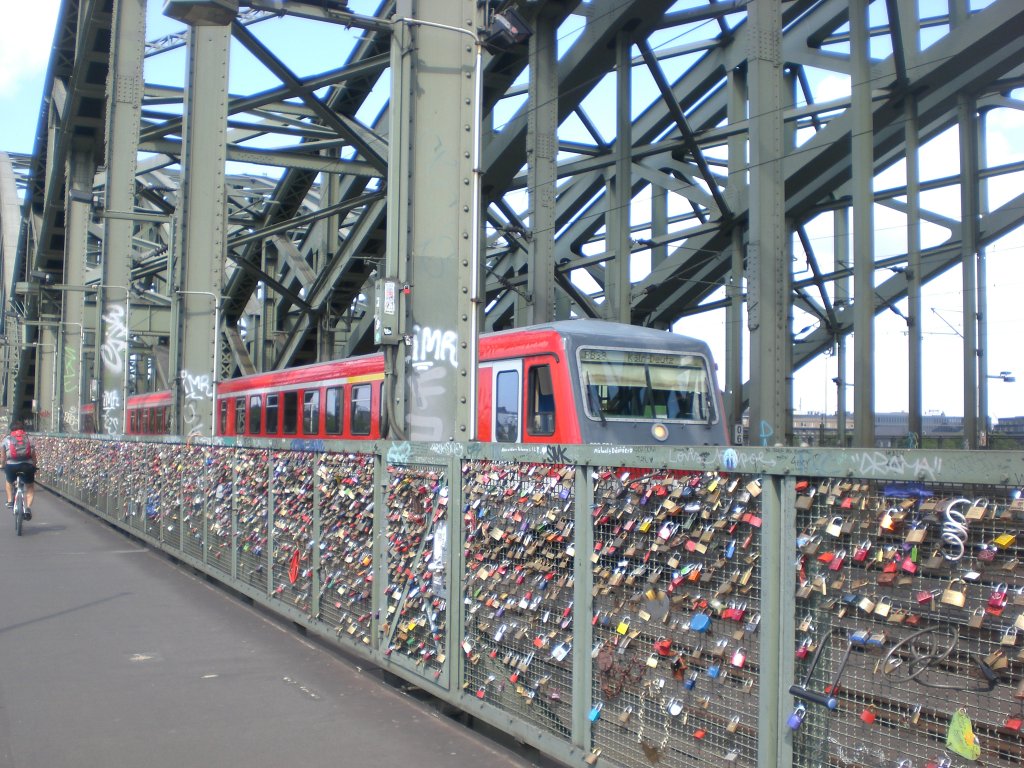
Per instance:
(26,38)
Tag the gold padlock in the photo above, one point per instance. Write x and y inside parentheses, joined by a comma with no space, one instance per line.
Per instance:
(954,597)
(883,606)
(977,619)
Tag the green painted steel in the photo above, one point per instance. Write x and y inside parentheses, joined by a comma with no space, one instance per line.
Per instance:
(552,592)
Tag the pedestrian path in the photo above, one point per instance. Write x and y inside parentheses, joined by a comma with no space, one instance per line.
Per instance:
(112,655)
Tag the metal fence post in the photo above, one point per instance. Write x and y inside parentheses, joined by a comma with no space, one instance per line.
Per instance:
(583,631)
(778,541)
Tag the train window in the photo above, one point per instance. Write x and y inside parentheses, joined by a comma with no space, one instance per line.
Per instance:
(255,412)
(542,401)
(311,411)
(224,417)
(333,411)
(272,414)
(359,415)
(506,406)
(635,384)
(290,417)
(239,415)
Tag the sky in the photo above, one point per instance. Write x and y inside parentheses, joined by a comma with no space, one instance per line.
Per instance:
(24,54)
(25,42)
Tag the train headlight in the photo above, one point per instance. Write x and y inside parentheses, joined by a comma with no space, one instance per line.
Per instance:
(659,432)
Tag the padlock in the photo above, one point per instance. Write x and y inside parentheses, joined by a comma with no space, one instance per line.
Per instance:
(700,622)
(954,597)
(739,658)
(714,670)
(804,649)
(883,606)
(868,715)
(691,681)
(623,625)
(835,527)
(837,561)
(796,719)
(752,623)
(860,554)
(997,600)
(1009,636)
(1005,540)
(595,712)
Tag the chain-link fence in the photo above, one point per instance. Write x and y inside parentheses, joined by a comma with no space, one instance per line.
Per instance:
(625,606)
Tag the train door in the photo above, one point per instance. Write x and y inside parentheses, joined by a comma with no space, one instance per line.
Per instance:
(507,418)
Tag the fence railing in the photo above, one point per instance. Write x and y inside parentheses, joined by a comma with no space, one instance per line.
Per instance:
(624,606)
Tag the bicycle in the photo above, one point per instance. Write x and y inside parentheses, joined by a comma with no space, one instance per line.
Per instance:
(19,503)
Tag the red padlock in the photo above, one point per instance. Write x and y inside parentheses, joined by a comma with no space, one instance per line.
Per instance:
(868,715)
(837,561)
(997,600)
(739,658)
(1012,725)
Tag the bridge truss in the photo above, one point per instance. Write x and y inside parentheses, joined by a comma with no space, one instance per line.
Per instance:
(655,162)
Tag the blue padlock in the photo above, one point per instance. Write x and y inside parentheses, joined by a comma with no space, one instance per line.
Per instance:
(595,711)
(797,718)
(691,681)
(700,622)
(714,670)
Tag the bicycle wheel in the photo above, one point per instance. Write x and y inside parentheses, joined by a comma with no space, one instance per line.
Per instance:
(19,514)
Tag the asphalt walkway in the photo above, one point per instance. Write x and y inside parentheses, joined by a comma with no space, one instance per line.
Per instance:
(111,655)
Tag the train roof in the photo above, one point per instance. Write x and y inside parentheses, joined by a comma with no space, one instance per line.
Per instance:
(589,330)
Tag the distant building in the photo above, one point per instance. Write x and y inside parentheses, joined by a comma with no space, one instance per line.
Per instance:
(891,430)
(1012,426)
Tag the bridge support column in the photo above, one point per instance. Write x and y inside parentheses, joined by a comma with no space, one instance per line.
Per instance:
(199,233)
(124,108)
(434,220)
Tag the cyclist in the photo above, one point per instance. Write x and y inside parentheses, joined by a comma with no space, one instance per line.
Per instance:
(19,458)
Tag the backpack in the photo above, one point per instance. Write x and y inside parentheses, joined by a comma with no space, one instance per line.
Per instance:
(19,447)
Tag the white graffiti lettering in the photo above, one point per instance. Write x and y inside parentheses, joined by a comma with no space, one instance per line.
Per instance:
(71,418)
(446,449)
(433,345)
(879,462)
(197,387)
(115,338)
(111,399)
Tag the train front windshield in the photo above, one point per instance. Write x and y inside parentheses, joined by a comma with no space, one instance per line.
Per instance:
(623,384)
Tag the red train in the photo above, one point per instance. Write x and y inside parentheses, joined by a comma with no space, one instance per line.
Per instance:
(575,381)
